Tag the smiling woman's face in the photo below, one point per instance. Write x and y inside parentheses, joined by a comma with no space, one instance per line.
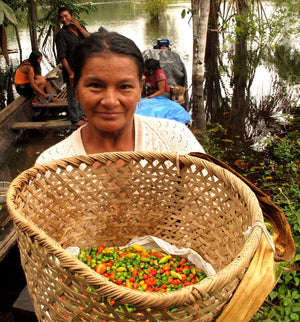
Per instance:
(109,89)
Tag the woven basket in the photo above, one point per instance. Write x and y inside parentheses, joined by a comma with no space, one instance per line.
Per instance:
(110,198)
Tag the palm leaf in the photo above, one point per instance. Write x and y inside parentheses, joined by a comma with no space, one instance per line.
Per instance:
(8,13)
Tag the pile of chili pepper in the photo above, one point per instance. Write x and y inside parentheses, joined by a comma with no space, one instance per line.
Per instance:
(140,269)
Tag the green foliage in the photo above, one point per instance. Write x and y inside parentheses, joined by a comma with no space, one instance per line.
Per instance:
(50,9)
(7,14)
(278,175)
(283,303)
(155,7)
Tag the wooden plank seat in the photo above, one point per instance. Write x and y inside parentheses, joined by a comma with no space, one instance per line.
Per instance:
(62,97)
(41,125)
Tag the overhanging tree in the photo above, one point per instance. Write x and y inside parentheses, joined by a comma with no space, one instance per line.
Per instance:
(7,17)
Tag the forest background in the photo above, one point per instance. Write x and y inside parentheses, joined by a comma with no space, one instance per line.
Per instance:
(220,119)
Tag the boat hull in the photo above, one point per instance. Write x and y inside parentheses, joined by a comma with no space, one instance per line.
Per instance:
(19,110)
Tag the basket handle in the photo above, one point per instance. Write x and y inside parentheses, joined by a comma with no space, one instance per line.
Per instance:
(283,239)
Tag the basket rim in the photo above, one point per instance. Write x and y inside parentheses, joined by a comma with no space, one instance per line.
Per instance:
(189,294)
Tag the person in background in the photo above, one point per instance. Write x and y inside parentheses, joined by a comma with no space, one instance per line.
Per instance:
(156,83)
(29,82)
(162,43)
(108,81)
(66,39)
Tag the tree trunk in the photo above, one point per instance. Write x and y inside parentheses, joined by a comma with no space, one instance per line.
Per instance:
(200,13)
(32,23)
(19,43)
(240,103)
(215,104)
(10,93)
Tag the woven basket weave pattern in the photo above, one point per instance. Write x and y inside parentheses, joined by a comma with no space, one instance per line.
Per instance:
(112,197)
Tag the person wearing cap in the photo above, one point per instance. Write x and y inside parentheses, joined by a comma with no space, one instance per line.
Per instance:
(162,44)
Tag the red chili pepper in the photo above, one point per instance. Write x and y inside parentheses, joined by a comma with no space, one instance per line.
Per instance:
(119,282)
(182,261)
(112,276)
(109,264)
(158,255)
(154,271)
(100,249)
(152,281)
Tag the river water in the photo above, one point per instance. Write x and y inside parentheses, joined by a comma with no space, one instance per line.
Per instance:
(125,17)
(128,18)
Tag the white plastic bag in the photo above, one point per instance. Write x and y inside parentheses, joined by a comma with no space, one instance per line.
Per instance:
(149,242)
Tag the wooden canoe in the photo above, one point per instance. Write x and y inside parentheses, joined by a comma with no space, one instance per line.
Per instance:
(18,115)
(14,119)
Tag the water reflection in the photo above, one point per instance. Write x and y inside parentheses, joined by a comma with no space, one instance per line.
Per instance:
(129,19)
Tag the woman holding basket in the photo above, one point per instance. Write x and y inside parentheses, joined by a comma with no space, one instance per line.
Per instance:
(108,81)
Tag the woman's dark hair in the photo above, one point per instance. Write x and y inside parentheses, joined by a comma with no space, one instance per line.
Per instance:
(101,42)
(152,64)
(33,59)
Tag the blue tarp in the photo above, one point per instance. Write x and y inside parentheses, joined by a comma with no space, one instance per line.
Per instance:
(164,108)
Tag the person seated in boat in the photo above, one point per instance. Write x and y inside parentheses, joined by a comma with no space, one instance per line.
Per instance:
(156,83)
(29,82)
(162,44)
(108,81)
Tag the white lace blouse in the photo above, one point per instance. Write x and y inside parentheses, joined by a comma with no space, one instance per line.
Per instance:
(151,134)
